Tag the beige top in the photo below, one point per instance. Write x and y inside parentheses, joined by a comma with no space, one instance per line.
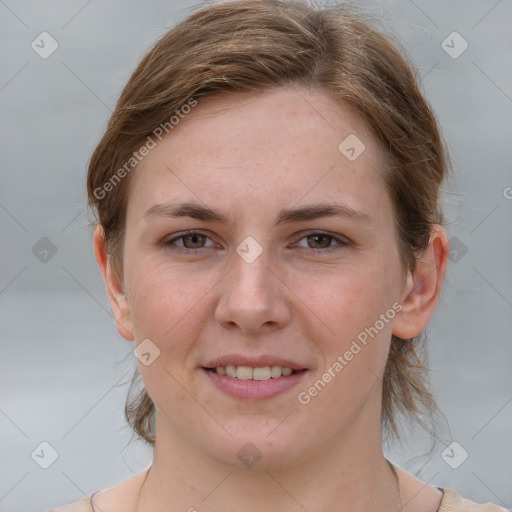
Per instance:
(451,501)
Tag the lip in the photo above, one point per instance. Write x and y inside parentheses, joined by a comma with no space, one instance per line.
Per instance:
(254,362)
(254,389)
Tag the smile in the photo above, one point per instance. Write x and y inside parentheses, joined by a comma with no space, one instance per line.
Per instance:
(248,373)
(253,383)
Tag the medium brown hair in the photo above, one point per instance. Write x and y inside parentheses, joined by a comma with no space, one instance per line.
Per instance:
(254,45)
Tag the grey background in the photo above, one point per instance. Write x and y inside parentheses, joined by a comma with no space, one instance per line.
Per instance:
(64,369)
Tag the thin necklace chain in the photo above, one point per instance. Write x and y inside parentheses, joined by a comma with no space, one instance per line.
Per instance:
(140,490)
(399,492)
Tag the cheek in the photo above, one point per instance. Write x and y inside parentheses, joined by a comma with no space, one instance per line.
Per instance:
(344,303)
(168,308)
(166,304)
(345,312)
(354,345)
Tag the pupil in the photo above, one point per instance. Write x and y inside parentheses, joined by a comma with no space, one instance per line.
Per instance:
(321,240)
(194,239)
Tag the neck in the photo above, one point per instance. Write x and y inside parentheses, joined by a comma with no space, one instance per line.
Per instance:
(351,474)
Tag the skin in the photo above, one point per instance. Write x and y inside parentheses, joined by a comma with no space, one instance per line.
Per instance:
(249,156)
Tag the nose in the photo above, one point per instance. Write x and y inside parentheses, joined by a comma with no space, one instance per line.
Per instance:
(253,297)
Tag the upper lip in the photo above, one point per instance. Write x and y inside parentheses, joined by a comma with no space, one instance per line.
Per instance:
(253,362)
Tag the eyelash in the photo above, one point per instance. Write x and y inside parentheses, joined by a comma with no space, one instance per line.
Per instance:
(183,250)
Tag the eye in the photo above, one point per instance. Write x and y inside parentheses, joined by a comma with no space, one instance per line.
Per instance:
(189,242)
(322,242)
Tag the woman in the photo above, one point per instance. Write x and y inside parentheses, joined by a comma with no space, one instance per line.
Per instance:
(270,239)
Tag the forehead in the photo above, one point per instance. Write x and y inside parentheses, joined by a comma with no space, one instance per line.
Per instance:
(280,146)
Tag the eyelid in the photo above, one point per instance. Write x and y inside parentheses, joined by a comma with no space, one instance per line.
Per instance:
(340,239)
(182,234)
(342,243)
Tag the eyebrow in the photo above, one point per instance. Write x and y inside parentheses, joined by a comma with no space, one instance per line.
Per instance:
(305,213)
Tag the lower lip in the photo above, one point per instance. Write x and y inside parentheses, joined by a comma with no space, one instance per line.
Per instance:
(254,389)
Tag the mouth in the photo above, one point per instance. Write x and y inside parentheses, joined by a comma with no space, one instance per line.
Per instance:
(259,373)
(257,382)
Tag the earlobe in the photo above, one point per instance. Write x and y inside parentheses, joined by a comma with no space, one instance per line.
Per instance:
(115,292)
(423,287)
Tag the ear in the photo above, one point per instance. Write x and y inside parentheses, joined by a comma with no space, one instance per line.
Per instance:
(115,291)
(423,287)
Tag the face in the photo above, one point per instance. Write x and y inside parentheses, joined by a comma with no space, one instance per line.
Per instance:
(256,244)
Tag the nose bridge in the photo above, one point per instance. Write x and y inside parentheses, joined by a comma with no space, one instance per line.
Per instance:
(251,295)
(251,274)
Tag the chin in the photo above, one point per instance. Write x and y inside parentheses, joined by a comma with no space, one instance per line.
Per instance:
(253,448)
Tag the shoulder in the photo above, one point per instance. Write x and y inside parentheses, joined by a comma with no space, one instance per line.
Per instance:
(84,505)
(454,502)
(118,497)
(418,496)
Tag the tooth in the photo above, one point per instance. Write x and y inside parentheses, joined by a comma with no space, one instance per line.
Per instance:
(244,372)
(261,373)
(275,372)
(249,373)
(231,370)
